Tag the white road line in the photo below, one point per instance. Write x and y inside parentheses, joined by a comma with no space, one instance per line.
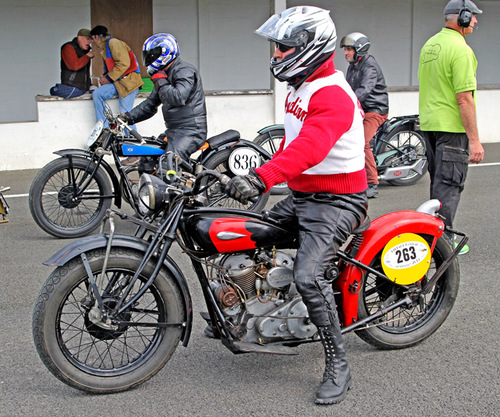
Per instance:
(491,164)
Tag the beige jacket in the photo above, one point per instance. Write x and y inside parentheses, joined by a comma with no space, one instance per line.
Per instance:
(120,53)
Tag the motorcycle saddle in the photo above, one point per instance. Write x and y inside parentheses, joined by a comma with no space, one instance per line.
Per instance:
(221,139)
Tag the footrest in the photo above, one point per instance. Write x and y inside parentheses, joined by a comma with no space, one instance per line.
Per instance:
(242,347)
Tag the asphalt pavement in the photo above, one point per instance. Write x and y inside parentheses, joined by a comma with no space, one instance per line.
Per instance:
(453,373)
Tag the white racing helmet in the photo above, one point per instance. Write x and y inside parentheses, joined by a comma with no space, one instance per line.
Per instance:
(310,30)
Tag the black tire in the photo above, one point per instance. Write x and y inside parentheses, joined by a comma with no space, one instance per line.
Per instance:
(270,141)
(50,198)
(407,326)
(215,194)
(89,357)
(414,147)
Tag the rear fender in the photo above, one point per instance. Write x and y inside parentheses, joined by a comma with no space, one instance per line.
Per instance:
(380,232)
(268,129)
(89,243)
(208,153)
(68,153)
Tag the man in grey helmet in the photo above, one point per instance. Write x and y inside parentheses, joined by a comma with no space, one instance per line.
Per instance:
(367,80)
(447,76)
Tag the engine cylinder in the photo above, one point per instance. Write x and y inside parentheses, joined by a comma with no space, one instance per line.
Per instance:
(241,270)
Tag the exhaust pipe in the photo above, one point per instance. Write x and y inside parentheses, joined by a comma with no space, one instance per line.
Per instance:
(402,171)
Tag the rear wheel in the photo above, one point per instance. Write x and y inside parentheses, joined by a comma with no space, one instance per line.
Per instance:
(410,147)
(85,354)
(58,203)
(407,326)
(271,141)
(215,193)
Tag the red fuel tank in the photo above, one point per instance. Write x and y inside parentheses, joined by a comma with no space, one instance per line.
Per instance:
(222,233)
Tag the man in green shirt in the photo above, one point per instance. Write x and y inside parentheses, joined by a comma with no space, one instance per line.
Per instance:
(447,76)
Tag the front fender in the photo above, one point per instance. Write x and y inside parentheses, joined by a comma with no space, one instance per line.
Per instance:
(89,243)
(380,232)
(68,153)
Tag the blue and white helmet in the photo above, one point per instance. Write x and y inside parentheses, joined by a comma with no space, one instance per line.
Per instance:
(158,51)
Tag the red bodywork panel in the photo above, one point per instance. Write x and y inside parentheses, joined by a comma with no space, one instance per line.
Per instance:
(381,231)
(235,225)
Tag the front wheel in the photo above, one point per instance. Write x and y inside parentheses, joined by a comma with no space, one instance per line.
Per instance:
(215,193)
(85,353)
(65,202)
(407,326)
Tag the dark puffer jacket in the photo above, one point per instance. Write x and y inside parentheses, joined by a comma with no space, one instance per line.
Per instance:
(368,83)
(182,98)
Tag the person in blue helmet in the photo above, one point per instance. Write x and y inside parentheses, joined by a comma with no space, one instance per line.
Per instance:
(179,89)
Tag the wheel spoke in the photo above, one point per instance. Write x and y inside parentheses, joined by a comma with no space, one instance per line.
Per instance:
(99,350)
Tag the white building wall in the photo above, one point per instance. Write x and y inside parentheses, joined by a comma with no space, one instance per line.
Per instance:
(67,123)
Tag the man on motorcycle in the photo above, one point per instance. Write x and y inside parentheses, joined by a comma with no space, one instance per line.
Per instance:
(322,159)
(178,87)
(366,79)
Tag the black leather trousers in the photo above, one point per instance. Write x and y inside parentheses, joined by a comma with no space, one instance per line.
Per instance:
(323,222)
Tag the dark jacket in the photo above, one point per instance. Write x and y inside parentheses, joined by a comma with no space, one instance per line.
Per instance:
(182,98)
(368,83)
(79,78)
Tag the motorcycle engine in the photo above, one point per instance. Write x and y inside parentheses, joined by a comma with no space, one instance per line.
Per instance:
(259,298)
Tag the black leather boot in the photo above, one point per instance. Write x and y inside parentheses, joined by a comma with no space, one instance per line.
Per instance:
(337,376)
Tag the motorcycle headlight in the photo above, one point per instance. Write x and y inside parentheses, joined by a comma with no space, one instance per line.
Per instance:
(151,194)
(95,133)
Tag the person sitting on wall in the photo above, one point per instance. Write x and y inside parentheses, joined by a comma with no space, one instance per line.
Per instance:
(76,56)
(121,76)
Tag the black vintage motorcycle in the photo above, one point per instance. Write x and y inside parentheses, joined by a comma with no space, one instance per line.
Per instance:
(70,195)
(113,311)
(4,207)
(398,147)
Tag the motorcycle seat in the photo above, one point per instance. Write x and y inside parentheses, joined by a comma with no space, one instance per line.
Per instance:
(222,138)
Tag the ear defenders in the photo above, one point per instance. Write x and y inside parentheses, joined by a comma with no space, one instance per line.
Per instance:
(464,17)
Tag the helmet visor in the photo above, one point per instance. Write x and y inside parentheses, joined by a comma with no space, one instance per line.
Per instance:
(275,30)
(150,56)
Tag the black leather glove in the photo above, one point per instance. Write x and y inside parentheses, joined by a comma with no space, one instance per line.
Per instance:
(126,118)
(244,187)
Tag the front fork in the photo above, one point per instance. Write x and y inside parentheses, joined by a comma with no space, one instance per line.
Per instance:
(159,247)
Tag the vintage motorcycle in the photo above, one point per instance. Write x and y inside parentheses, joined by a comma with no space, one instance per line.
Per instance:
(4,207)
(70,195)
(398,146)
(115,308)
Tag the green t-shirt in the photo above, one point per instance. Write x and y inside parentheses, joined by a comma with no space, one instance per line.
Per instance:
(447,66)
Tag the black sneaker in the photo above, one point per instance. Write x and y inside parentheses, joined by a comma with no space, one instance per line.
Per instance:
(372,191)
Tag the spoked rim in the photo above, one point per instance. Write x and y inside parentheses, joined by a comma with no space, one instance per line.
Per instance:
(60,206)
(271,145)
(217,197)
(403,319)
(109,352)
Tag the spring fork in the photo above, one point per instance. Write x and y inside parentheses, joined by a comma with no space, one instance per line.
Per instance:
(98,314)
(111,220)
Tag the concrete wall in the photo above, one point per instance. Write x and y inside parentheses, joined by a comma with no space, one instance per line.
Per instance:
(67,123)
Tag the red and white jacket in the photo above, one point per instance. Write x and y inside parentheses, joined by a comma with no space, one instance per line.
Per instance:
(323,147)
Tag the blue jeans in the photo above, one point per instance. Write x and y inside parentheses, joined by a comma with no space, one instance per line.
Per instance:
(66,91)
(107,91)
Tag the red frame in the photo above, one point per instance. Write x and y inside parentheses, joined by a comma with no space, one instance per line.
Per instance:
(381,231)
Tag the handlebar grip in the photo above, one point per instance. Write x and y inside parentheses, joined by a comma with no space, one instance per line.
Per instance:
(136,134)
(254,199)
